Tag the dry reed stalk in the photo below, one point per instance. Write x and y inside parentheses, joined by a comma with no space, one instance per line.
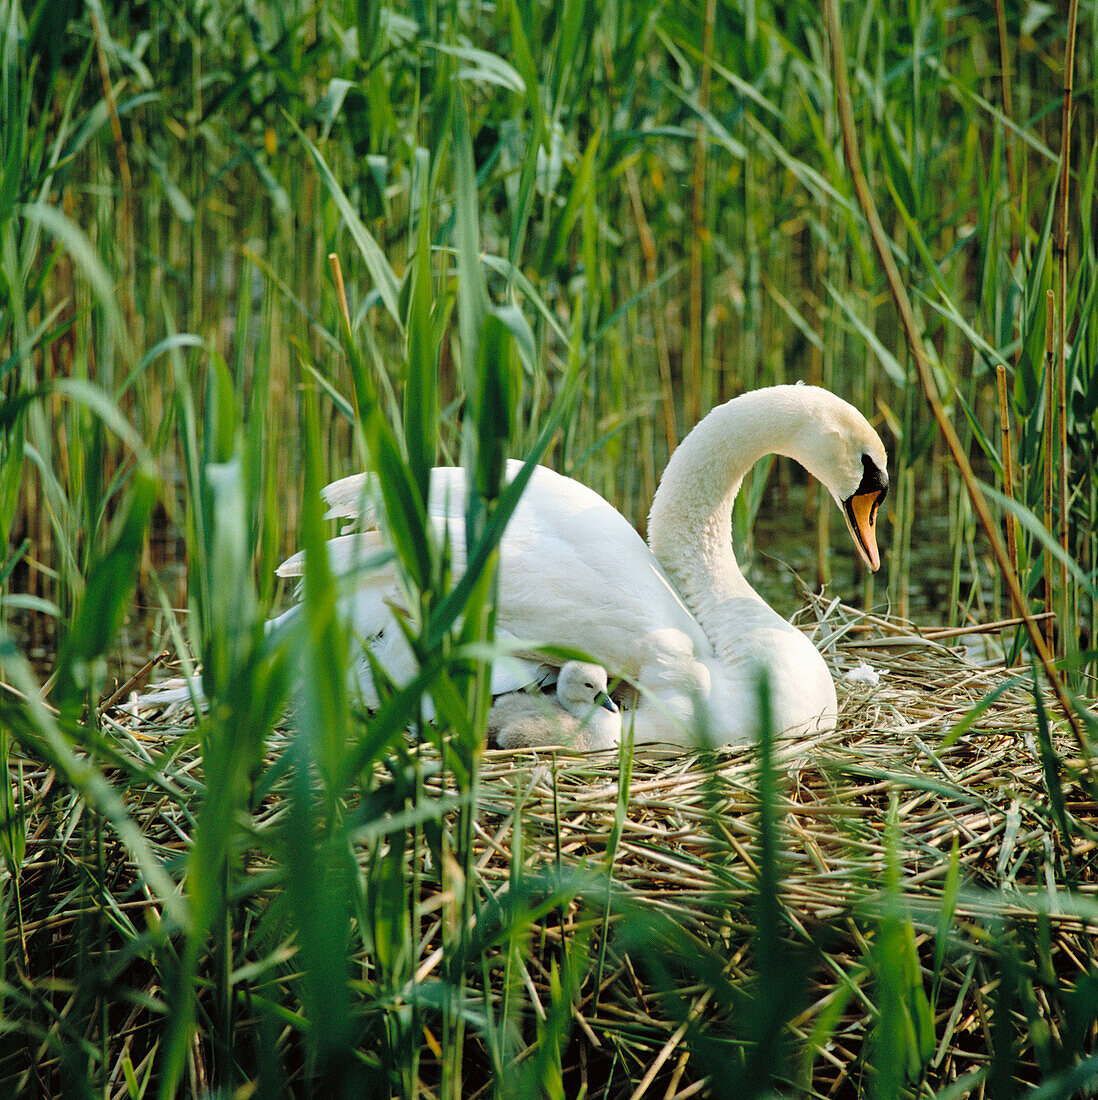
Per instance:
(978,628)
(926,377)
(1000,370)
(345,315)
(341,289)
(135,681)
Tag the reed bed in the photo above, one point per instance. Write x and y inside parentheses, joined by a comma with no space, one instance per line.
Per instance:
(561,232)
(912,811)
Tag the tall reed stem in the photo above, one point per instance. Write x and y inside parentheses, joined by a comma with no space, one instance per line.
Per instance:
(651,268)
(692,399)
(1050,421)
(1060,246)
(1012,190)
(129,307)
(926,377)
(1008,461)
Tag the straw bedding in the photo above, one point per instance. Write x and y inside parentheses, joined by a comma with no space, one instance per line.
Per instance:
(689,841)
(687,847)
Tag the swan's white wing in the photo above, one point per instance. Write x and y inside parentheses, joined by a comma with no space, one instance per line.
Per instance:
(573,572)
(358,552)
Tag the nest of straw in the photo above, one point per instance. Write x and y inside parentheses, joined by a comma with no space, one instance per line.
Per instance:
(687,849)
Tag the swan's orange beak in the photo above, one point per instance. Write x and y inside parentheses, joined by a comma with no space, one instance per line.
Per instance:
(860,511)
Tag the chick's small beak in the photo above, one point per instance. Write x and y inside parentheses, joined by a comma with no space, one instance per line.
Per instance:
(604,700)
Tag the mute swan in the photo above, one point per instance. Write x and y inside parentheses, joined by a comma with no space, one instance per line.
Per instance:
(679,619)
(582,717)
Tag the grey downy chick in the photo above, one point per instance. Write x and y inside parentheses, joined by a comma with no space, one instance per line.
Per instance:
(581,717)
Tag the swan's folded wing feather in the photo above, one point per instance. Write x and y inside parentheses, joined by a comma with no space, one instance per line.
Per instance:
(356,498)
(573,572)
(360,552)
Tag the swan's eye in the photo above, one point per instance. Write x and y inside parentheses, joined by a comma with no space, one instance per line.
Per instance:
(874,479)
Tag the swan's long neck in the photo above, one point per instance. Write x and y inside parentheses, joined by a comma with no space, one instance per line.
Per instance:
(690,524)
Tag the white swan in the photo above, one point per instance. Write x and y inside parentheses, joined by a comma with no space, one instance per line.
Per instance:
(582,716)
(678,619)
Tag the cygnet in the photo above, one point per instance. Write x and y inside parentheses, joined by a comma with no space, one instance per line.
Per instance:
(582,716)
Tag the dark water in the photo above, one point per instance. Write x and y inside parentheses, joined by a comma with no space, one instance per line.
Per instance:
(784,548)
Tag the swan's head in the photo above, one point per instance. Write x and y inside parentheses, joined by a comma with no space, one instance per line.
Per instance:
(849,458)
(581,685)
